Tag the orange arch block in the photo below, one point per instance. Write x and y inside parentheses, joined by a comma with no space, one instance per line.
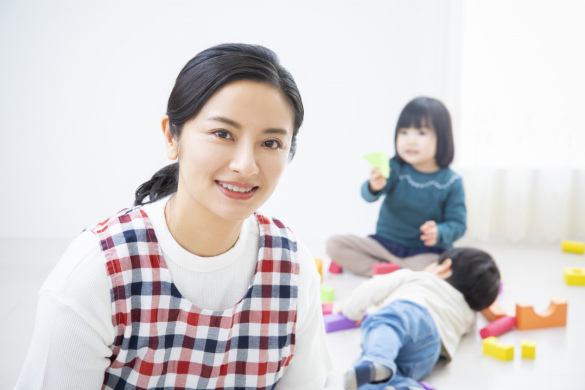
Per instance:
(555,315)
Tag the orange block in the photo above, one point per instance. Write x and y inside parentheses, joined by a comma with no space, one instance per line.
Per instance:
(555,315)
(493,312)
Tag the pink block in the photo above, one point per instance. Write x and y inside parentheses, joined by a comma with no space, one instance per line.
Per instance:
(335,322)
(384,268)
(498,327)
(334,268)
(327,308)
(427,386)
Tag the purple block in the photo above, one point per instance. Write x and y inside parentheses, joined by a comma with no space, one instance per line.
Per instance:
(337,321)
(427,386)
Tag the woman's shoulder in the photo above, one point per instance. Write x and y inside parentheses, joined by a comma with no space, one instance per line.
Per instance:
(79,281)
(82,253)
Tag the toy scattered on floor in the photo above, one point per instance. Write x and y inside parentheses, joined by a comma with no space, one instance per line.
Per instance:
(334,268)
(327,307)
(574,276)
(573,246)
(492,348)
(319,263)
(379,160)
(498,327)
(327,294)
(384,268)
(493,312)
(528,349)
(427,386)
(554,315)
(337,321)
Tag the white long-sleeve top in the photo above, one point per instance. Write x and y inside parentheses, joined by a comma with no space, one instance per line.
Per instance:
(73,332)
(446,305)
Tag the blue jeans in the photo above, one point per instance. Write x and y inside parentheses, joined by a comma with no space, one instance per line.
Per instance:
(403,337)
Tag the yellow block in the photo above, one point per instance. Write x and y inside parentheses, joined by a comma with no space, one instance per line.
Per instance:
(492,348)
(573,246)
(528,349)
(574,276)
(319,263)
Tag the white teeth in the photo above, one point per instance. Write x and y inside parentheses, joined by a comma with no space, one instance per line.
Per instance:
(235,188)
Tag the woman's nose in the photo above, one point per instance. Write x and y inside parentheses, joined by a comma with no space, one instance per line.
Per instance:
(244,161)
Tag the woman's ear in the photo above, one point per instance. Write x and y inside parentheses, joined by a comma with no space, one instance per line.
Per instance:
(170,142)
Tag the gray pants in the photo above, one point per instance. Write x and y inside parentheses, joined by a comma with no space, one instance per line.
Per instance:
(358,255)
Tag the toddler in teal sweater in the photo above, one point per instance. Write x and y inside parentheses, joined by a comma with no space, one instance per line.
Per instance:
(423,211)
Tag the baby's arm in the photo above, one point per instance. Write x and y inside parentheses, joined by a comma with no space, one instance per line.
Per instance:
(375,186)
(455,215)
(371,293)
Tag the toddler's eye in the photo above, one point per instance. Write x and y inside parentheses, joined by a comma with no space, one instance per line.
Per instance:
(273,144)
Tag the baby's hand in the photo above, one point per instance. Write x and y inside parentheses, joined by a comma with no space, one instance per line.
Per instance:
(430,233)
(377,181)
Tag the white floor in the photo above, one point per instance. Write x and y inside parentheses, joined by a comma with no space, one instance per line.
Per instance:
(530,273)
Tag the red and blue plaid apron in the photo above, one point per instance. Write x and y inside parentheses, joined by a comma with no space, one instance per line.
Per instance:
(163,341)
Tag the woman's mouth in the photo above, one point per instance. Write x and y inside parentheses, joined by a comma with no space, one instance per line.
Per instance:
(239,191)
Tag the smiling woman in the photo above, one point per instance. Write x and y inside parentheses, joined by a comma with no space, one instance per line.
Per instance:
(192,288)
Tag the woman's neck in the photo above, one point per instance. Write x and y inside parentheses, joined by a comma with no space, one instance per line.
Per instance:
(198,230)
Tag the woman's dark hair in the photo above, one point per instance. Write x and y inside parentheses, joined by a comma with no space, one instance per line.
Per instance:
(201,77)
(475,275)
(428,112)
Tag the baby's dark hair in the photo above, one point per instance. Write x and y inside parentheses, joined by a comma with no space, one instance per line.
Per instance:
(475,275)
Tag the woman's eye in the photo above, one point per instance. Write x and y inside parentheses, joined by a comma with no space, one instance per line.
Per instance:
(223,134)
(273,144)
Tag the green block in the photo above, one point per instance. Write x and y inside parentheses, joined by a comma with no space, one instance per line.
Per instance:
(379,160)
(327,294)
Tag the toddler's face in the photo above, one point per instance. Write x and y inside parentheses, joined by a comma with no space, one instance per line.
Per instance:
(418,147)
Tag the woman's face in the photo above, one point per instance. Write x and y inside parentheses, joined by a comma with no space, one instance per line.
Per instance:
(232,154)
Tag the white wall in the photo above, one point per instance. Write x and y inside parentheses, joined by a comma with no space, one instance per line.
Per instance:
(84,85)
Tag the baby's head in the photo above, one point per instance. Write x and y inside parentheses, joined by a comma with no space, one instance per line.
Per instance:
(472,272)
(432,118)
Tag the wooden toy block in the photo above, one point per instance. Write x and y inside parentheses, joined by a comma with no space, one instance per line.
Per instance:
(528,349)
(336,322)
(498,327)
(493,312)
(492,348)
(327,294)
(554,315)
(319,263)
(384,268)
(573,246)
(327,307)
(574,276)
(334,268)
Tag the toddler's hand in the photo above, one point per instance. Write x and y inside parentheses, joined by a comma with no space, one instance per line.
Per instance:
(377,181)
(430,233)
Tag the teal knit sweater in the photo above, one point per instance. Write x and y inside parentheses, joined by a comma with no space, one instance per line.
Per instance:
(414,197)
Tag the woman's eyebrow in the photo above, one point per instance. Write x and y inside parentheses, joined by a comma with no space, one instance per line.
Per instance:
(238,126)
(226,121)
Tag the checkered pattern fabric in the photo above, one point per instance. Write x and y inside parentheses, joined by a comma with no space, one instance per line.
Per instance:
(165,342)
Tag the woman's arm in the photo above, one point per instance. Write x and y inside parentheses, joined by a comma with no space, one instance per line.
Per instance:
(69,347)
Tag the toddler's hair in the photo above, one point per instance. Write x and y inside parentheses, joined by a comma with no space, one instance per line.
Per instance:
(431,113)
(475,275)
